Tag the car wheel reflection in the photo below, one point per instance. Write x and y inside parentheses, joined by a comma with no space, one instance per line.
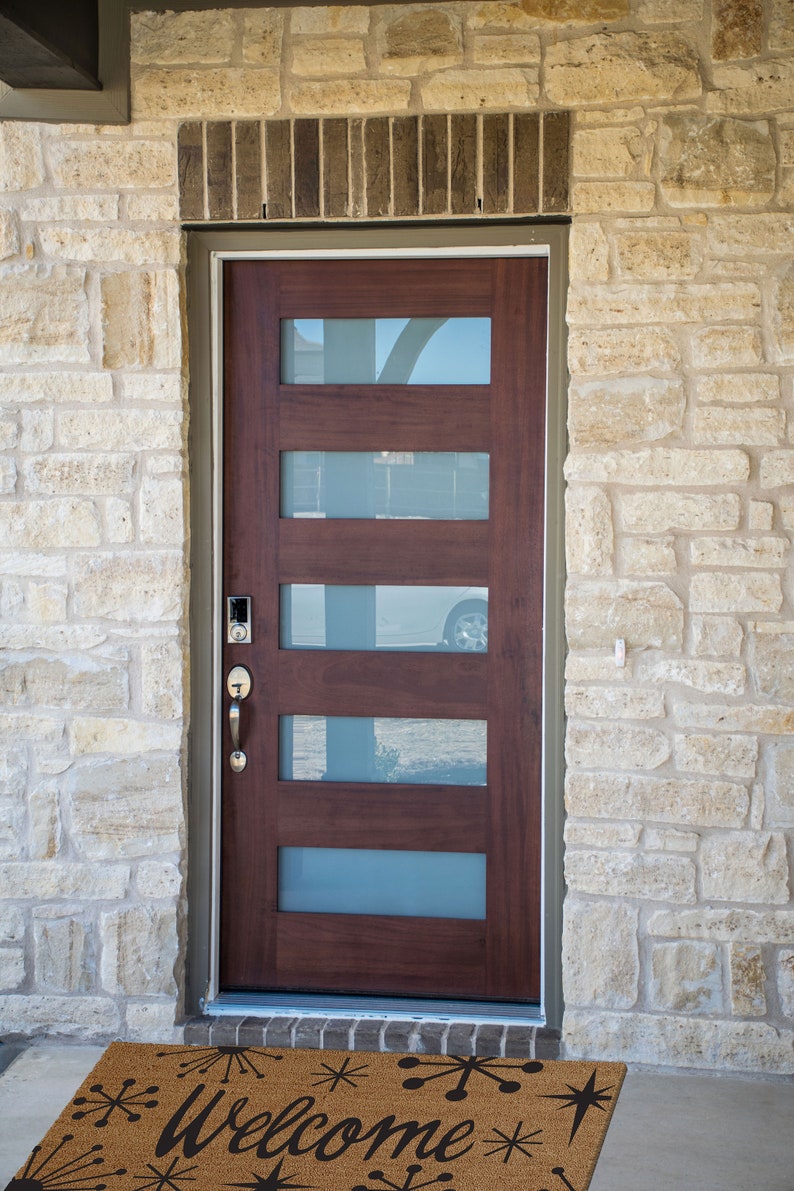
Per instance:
(467,628)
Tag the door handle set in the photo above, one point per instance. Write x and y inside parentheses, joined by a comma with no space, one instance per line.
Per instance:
(238,684)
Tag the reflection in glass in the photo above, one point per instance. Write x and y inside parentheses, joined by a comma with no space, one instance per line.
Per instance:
(395,351)
(360,617)
(436,485)
(316,748)
(364,881)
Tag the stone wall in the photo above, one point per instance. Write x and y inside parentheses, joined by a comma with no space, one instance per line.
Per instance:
(679,927)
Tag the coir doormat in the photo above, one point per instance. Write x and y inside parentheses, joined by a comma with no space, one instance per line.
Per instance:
(170,1118)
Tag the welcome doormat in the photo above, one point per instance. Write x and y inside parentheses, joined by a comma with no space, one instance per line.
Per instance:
(206,1118)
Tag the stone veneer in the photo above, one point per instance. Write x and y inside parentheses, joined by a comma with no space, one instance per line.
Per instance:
(679,927)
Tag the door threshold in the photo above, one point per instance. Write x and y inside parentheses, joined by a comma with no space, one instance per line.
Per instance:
(390,1008)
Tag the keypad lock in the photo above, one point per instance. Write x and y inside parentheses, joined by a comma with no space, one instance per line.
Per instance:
(238,620)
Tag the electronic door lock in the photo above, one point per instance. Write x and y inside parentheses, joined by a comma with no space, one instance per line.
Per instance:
(238,620)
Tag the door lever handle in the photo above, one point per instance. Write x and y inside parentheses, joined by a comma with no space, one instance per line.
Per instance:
(238,684)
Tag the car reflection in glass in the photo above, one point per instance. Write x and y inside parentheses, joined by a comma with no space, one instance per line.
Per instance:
(420,618)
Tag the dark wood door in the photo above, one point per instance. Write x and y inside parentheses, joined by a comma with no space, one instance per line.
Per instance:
(304,422)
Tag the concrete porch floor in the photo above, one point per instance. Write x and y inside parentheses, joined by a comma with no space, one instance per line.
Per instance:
(698,1132)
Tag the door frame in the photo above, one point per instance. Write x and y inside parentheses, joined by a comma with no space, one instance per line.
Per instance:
(207,251)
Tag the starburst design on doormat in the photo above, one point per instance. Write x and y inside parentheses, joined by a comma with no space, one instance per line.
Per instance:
(125,1100)
(163,1179)
(345,1073)
(503,1144)
(560,1173)
(582,1099)
(377,1176)
(54,1173)
(274,1181)
(243,1059)
(464,1066)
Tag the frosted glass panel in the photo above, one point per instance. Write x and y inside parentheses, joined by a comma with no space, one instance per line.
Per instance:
(425,619)
(317,748)
(361,881)
(393,351)
(437,485)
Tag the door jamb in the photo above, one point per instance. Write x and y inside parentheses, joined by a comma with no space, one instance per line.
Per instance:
(206,251)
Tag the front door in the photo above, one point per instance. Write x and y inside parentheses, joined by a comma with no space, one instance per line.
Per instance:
(383,523)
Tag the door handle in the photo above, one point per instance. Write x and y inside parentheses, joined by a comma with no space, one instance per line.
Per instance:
(238,684)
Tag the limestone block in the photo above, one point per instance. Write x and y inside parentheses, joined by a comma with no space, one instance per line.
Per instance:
(163,679)
(161,511)
(70,474)
(644,614)
(609,153)
(45,602)
(158,879)
(760,517)
(140,320)
(668,839)
(745,866)
(738,389)
(74,682)
(618,746)
(725,347)
(748,976)
(139,951)
(8,475)
(654,877)
(125,807)
(481,90)
(772,664)
(43,315)
(420,40)
(528,13)
(70,1016)
(8,430)
(606,976)
(9,234)
(780,791)
(753,427)
(319,57)
(12,968)
(166,388)
(601,413)
(687,1041)
(781,25)
(713,591)
(657,256)
(45,833)
(648,556)
(603,702)
(343,97)
(263,32)
(151,208)
(666,303)
(21,727)
(505,50)
(728,755)
(21,160)
(631,198)
(45,880)
(669,12)
(787,511)
(601,835)
(73,208)
(686,978)
(602,352)
(108,244)
(727,678)
(58,522)
(12,827)
(118,430)
(621,67)
(212,93)
(588,260)
(12,925)
(51,637)
(589,538)
(664,800)
(713,162)
(757,234)
(153,1021)
(758,89)
(63,960)
(36,430)
(119,525)
(783,317)
(136,586)
(94,734)
(730,717)
(716,636)
(785,982)
(176,38)
(54,388)
(777,469)
(660,466)
(726,926)
(99,164)
(737,29)
(331,18)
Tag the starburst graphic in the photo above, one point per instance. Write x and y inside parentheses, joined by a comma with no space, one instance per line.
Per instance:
(345,1073)
(502,1144)
(274,1181)
(163,1179)
(377,1176)
(125,1100)
(582,1099)
(54,1173)
(560,1173)
(243,1060)
(464,1067)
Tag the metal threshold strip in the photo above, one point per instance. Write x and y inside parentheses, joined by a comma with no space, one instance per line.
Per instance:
(397,1008)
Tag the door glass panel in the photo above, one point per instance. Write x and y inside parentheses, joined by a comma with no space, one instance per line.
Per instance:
(425,619)
(435,485)
(393,351)
(317,748)
(364,881)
